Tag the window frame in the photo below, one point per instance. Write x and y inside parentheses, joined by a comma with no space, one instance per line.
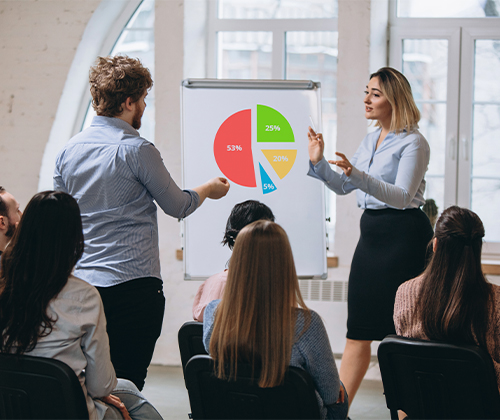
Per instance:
(113,35)
(461,34)
(278,28)
(101,33)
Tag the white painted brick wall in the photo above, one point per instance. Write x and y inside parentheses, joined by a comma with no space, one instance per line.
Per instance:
(38,40)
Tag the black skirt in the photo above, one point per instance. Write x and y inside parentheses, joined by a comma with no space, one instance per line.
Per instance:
(392,248)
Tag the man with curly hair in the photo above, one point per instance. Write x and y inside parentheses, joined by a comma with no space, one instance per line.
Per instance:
(116,176)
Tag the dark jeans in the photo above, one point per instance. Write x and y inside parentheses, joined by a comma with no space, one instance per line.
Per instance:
(134,315)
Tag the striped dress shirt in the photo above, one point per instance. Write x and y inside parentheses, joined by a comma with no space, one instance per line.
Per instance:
(116,176)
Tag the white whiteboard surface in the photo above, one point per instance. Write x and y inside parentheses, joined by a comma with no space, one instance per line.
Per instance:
(297,200)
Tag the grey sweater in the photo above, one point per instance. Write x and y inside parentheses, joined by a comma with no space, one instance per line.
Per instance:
(311,352)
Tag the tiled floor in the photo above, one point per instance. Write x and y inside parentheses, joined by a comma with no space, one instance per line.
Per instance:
(166,391)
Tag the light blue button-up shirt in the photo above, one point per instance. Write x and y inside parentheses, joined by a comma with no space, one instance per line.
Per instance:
(115,176)
(390,177)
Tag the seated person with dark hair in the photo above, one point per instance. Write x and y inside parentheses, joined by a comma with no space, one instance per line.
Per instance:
(9,217)
(452,301)
(241,215)
(45,311)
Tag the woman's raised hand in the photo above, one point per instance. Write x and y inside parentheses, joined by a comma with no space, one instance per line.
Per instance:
(343,163)
(316,146)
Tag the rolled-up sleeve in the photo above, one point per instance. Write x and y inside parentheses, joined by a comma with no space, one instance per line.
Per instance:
(155,177)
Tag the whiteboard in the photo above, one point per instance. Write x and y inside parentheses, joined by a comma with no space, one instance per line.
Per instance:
(253,133)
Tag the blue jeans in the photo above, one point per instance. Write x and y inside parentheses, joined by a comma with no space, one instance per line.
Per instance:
(137,405)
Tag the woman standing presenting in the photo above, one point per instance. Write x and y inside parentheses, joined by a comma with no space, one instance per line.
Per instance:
(387,172)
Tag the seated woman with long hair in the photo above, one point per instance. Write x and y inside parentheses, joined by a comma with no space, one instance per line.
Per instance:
(263,320)
(241,215)
(45,311)
(452,301)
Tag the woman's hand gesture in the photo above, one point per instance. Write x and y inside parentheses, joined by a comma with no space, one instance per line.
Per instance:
(316,146)
(343,163)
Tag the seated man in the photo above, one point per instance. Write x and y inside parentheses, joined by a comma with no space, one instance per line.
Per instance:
(9,217)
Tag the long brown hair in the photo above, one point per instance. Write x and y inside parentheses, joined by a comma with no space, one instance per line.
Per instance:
(455,300)
(397,90)
(35,267)
(255,321)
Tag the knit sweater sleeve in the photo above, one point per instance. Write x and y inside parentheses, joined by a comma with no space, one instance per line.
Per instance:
(208,323)
(404,304)
(314,354)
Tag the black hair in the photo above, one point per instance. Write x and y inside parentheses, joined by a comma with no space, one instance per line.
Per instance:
(35,267)
(243,214)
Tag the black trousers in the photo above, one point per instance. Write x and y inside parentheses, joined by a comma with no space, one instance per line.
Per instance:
(134,315)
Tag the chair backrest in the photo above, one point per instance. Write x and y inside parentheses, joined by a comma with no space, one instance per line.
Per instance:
(213,398)
(190,341)
(39,388)
(435,380)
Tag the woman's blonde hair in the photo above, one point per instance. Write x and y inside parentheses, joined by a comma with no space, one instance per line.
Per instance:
(397,90)
(255,321)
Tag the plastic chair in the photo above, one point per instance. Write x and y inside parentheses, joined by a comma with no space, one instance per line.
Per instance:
(190,338)
(435,380)
(213,398)
(39,388)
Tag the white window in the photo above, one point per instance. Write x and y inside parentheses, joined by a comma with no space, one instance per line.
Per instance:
(136,40)
(450,52)
(279,39)
(115,27)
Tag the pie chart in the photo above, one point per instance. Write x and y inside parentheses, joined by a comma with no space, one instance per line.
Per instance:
(236,157)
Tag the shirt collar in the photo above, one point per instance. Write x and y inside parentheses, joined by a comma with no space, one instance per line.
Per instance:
(115,122)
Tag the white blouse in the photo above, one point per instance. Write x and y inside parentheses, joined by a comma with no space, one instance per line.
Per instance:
(80,340)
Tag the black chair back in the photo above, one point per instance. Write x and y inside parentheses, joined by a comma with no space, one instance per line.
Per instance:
(39,388)
(190,341)
(213,398)
(435,380)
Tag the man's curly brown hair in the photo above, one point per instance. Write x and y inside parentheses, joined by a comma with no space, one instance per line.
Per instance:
(113,80)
